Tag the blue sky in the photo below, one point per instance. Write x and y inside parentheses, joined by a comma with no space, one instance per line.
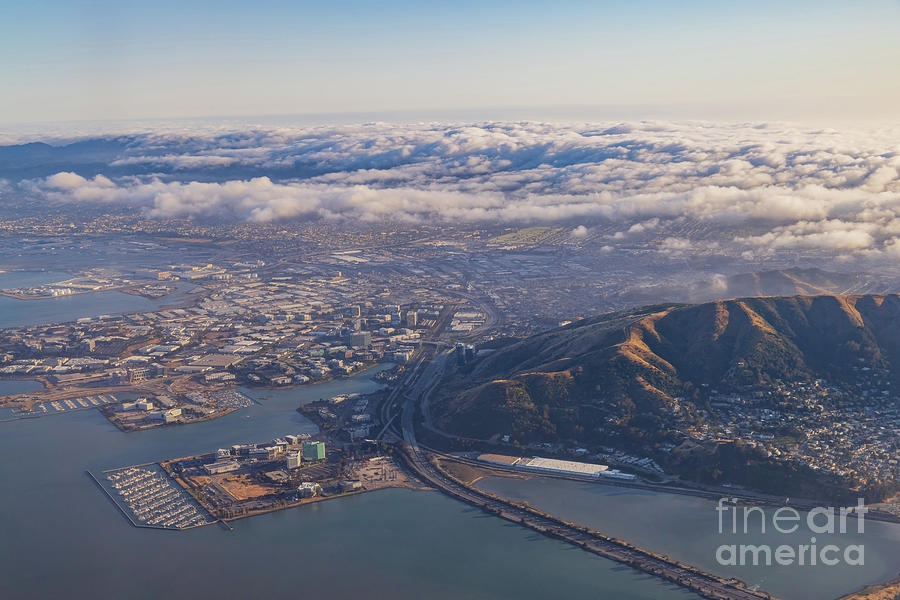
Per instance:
(128,60)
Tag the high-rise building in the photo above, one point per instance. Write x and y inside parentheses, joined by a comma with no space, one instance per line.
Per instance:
(412,318)
(313,451)
(293,459)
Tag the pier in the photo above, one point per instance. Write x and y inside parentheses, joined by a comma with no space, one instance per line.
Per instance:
(62,406)
(151,501)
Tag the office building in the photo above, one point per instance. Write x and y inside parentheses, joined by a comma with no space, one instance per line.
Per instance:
(313,451)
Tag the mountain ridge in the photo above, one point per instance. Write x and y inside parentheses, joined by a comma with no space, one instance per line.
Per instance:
(649,375)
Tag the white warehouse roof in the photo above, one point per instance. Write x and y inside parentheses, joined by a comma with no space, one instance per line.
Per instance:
(568,466)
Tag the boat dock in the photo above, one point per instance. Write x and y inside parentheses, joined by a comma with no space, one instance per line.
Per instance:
(149,499)
(55,407)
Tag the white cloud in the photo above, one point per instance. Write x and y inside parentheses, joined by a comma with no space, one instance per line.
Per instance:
(579,232)
(66,181)
(776,187)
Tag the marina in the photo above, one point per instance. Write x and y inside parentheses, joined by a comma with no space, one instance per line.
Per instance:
(450,301)
(285,549)
(52,407)
(147,496)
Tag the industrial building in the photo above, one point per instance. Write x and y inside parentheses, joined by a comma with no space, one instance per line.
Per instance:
(144,404)
(167,416)
(227,466)
(565,466)
(552,465)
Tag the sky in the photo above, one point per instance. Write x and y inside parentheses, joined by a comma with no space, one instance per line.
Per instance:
(96,60)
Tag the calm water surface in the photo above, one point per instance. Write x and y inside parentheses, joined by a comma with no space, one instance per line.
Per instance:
(62,537)
(687,528)
(18,313)
(9,387)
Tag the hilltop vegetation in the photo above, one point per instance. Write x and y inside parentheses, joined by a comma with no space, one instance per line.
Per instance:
(645,377)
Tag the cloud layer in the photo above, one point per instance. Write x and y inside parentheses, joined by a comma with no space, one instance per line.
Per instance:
(760,188)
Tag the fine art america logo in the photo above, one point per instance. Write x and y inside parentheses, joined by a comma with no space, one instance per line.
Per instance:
(786,521)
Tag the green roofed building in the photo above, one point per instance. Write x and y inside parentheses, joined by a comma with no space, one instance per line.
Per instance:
(313,451)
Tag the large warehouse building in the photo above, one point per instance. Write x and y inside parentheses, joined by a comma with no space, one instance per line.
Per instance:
(552,465)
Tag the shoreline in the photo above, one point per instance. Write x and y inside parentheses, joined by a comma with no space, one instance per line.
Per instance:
(700,582)
(888,590)
(193,489)
(190,296)
(30,297)
(12,401)
(123,429)
(368,366)
(316,499)
(471,475)
(710,494)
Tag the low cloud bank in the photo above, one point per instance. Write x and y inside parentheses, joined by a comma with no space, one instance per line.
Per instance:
(774,187)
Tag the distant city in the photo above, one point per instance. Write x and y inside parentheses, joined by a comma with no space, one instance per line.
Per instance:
(450,300)
(217,332)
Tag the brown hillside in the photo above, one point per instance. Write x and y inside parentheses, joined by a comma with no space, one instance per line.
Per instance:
(638,361)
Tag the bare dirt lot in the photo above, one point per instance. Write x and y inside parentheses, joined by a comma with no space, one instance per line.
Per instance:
(379,473)
(242,486)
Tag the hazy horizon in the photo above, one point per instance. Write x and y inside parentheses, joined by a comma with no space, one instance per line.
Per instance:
(68,62)
(281,271)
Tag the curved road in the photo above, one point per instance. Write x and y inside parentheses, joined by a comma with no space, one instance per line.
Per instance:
(418,460)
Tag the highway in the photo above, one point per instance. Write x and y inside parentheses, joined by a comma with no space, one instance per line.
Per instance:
(423,356)
(418,384)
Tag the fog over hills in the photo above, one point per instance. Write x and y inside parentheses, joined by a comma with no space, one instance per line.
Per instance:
(754,188)
(779,282)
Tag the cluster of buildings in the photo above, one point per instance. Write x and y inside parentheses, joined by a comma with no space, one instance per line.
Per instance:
(207,271)
(295,450)
(851,431)
(163,409)
(347,414)
(309,452)
(285,330)
(58,365)
(251,478)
